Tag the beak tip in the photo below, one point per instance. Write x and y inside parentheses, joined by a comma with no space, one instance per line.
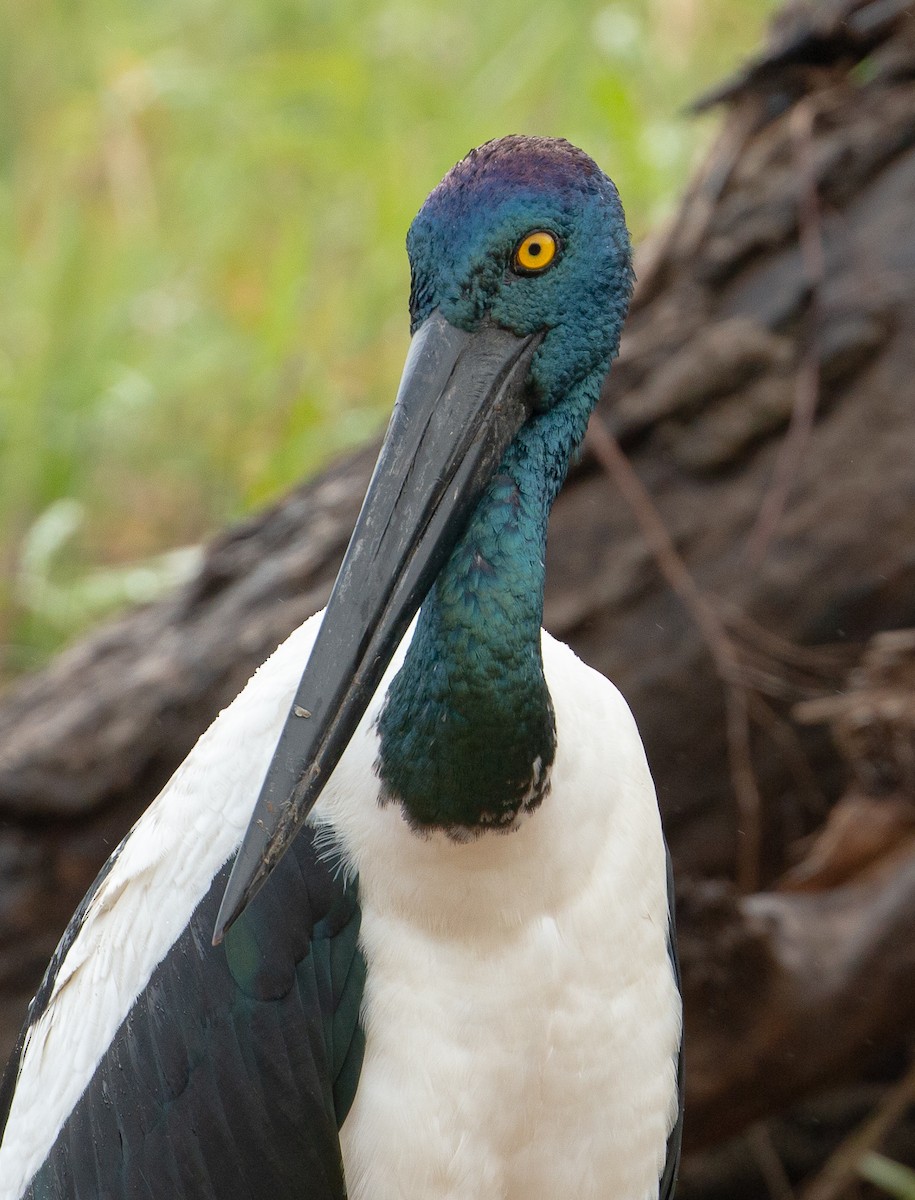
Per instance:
(235,900)
(224,922)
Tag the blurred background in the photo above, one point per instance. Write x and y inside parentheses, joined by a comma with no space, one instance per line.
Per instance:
(202,276)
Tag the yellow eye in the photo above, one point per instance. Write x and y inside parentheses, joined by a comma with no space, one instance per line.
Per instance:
(536,251)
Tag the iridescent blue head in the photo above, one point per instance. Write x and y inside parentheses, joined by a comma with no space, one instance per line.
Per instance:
(521,279)
(526,234)
(464,242)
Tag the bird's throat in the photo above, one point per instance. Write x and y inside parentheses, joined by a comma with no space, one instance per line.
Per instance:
(467,733)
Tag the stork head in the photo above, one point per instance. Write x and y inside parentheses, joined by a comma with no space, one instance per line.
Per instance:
(527,233)
(521,278)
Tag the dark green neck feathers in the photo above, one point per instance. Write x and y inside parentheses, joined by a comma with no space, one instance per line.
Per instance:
(467,733)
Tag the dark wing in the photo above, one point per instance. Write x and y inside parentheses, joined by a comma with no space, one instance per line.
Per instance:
(668,1182)
(231,1074)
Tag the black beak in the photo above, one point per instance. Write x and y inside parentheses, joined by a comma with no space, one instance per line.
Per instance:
(460,403)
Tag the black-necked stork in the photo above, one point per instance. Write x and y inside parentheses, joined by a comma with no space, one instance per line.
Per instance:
(443,965)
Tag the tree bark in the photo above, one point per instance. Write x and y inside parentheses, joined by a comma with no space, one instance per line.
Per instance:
(763,396)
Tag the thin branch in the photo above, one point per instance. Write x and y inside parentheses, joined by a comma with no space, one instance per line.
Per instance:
(770,1165)
(788,742)
(841,1169)
(828,663)
(606,449)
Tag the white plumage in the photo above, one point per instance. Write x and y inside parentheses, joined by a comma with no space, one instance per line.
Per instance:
(519,987)
(522,1015)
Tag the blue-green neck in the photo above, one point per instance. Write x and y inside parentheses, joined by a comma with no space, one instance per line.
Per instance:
(467,731)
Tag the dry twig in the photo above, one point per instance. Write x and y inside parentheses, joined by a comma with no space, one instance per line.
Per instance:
(841,1168)
(770,1165)
(606,449)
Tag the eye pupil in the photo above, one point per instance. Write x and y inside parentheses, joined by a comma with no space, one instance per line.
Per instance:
(534,249)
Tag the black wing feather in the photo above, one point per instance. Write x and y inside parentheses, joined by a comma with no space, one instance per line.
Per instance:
(668,1182)
(230,1076)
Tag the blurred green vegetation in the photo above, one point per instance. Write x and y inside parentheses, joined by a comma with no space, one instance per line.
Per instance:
(892,1177)
(203,209)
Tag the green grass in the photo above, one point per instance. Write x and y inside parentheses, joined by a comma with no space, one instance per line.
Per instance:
(892,1177)
(203,208)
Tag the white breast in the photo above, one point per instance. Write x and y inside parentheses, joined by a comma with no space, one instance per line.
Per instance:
(521,1013)
(522,1019)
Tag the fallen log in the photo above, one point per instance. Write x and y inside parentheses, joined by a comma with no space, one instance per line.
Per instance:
(788,991)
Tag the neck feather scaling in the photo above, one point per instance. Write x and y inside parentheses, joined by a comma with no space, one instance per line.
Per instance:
(467,731)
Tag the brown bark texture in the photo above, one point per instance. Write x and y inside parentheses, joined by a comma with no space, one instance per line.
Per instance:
(745,572)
